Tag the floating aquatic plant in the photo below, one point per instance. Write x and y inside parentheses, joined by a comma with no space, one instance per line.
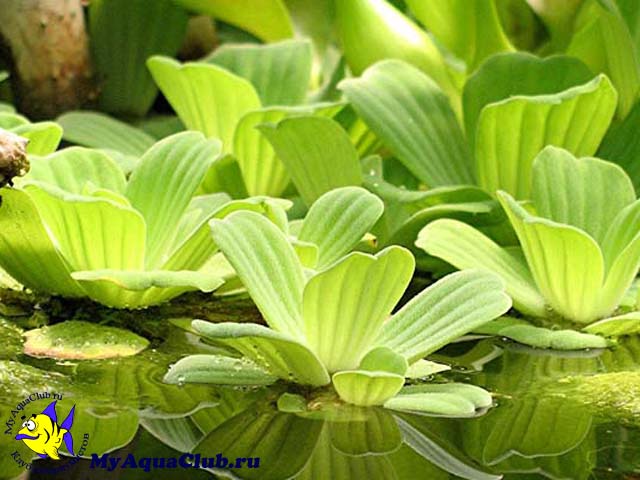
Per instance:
(238,88)
(514,105)
(75,226)
(579,245)
(331,326)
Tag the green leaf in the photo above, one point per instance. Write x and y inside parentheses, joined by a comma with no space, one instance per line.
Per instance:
(72,169)
(451,399)
(26,250)
(446,310)
(384,359)
(97,130)
(163,183)
(91,233)
(523,332)
(77,340)
(124,33)
(280,72)
(317,153)
(626,324)
(219,370)
(413,117)
(266,19)
(621,250)
(621,145)
(365,388)
(566,263)
(278,353)
(135,289)
(465,247)
(262,170)
(511,132)
(469,29)
(345,306)
(602,41)
(267,265)
(518,73)
(424,368)
(338,220)
(207,98)
(44,137)
(587,193)
(374,30)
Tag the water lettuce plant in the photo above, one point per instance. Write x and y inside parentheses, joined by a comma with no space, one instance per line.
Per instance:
(514,105)
(579,244)
(237,88)
(76,226)
(331,326)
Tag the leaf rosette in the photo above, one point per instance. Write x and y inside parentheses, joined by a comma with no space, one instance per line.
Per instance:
(77,227)
(330,322)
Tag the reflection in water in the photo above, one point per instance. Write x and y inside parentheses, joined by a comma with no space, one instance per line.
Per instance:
(540,427)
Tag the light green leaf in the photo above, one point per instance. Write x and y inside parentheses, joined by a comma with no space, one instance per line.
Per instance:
(365,388)
(424,368)
(469,28)
(413,117)
(374,30)
(566,263)
(135,289)
(280,72)
(317,152)
(262,170)
(587,193)
(124,33)
(72,169)
(338,220)
(219,370)
(193,246)
(266,19)
(77,340)
(602,41)
(44,137)
(26,251)
(267,265)
(384,359)
(527,334)
(518,73)
(345,306)
(207,98)
(163,183)
(278,353)
(512,132)
(97,130)
(465,247)
(451,399)
(91,233)
(446,310)
(625,324)
(224,175)
(621,251)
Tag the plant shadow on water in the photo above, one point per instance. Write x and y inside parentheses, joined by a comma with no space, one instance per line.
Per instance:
(551,419)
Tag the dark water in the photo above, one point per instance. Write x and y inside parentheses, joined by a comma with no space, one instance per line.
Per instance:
(571,416)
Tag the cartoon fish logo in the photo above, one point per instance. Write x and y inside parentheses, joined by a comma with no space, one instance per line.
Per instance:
(42,434)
